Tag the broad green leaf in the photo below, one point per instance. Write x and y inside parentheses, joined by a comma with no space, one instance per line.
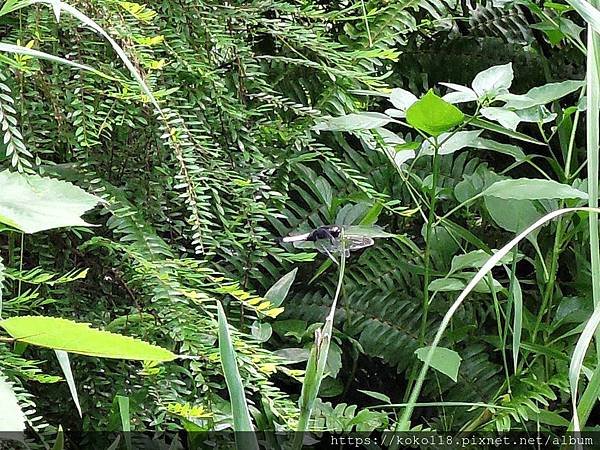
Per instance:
(474,184)
(493,81)
(402,99)
(433,115)
(277,293)
(502,212)
(291,327)
(572,310)
(73,337)
(324,190)
(532,189)
(370,218)
(536,114)
(443,360)
(334,360)
(549,418)
(11,415)
(353,122)
(542,95)
(446,285)
(31,203)
(239,405)
(123,403)
(506,118)
(292,355)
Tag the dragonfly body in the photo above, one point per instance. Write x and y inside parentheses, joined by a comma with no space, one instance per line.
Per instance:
(331,232)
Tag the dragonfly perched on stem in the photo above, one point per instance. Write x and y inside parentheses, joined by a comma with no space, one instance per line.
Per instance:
(328,239)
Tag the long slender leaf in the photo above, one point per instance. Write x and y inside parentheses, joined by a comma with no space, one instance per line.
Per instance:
(404,422)
(242,424)
(490,126)
(65,365)
(20,50)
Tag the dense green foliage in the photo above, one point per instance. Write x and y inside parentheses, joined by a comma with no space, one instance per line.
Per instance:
(203,131)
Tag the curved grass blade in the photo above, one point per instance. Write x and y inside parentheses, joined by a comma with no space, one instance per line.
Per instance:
(404,422)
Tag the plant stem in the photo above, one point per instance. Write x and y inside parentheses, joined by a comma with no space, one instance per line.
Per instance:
(428,231)
(317,361)
(427,258)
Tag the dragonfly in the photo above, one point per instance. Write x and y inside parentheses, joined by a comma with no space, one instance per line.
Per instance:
(331,239)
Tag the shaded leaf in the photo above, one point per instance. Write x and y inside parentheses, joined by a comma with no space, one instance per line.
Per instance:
(533,189)
(443,360)
(353,122)
(277,293)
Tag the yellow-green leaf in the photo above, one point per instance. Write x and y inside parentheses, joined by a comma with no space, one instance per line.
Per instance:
(433,115)
(73,337)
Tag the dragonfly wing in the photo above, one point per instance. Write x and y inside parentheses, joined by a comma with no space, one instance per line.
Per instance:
(356,242)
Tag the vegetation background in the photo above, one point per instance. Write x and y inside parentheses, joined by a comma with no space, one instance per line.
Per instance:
(208,130)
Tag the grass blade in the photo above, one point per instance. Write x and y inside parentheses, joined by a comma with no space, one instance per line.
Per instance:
(242,424)
(404,422)
(516,295)
(577,362)
(592,16)
(65,365)
(87,21)
(21,50)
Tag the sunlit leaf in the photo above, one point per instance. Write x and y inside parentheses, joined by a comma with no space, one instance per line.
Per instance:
(493,81)
(73,337)
(31,203)
(433,115)
(11,415)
